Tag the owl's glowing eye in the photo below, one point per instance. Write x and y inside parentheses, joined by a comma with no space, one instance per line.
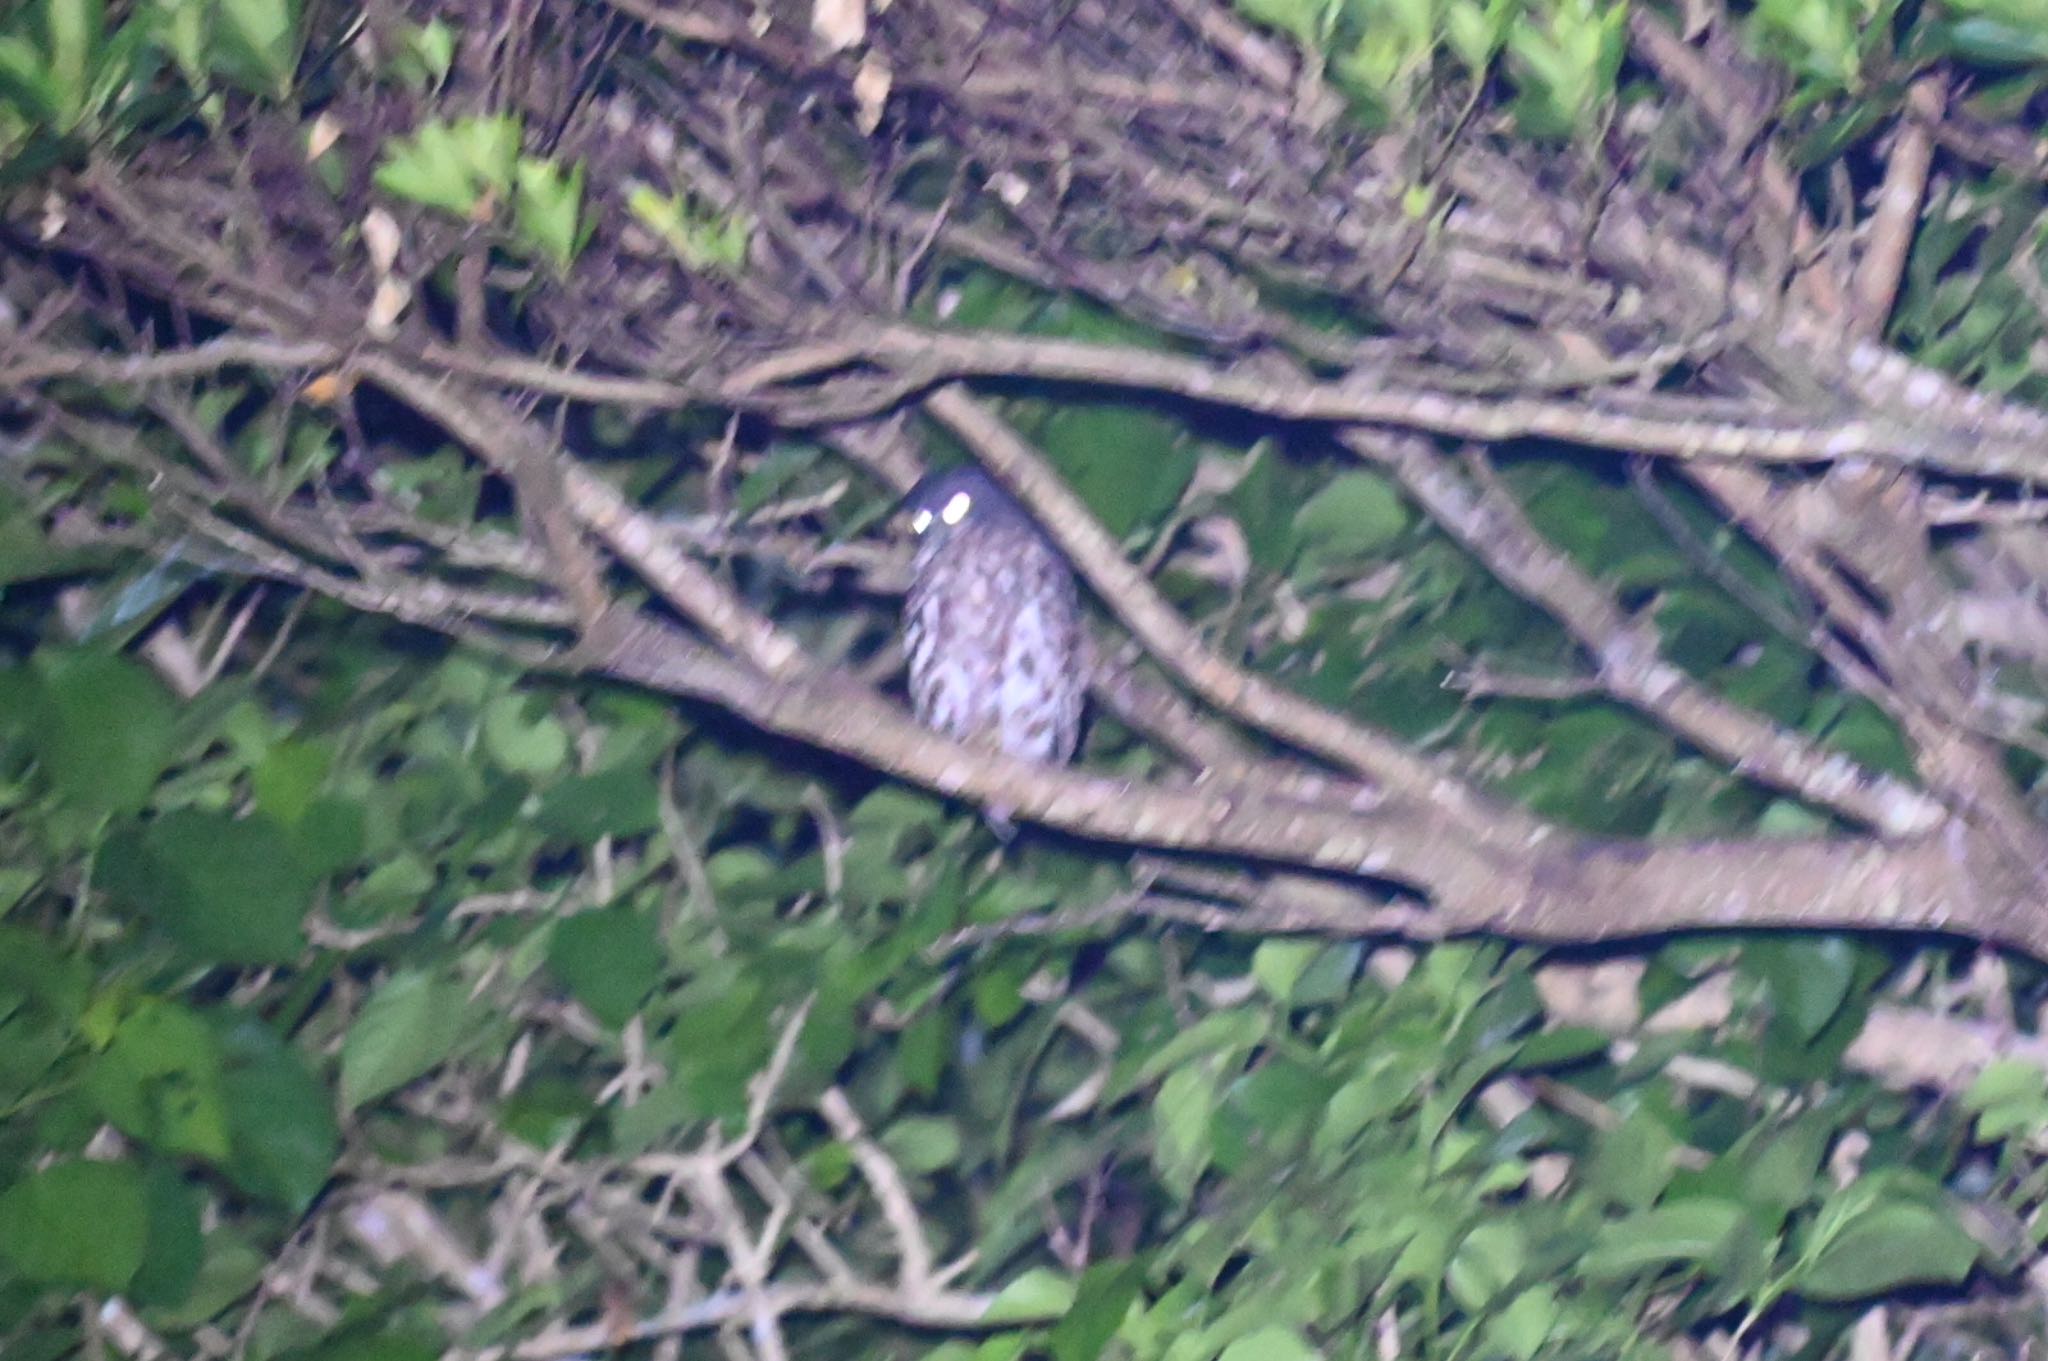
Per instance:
(920,522)
(955,510)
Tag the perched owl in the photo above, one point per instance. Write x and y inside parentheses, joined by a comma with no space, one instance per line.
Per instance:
(992,624)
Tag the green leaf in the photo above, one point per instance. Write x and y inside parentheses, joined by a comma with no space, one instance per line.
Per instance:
(1273,1343)
(1354,513)
(702,238)
(433,45)
(740,872)
(1329,976)
(1633,1162)
(1521,1329)
(1105,1295)
(452,166)
(1556,1048)
(1349,1110)
(26,81)
(1993,42)
(160,1081)
(73,29)
(610,959)
(288,778)
(280,1119)
(174,1247)
(1181,1114)
(922,1050)
(1891,1245)
(520,742)
(328,836)
(1283,1096)
(1037,1295)
(2010,1096)
(1780,1168)
(1128,463)
(1684,1231)
(1487,1262)
(1808,976)
(2004,1080)
(997,992)
(31,966)
(1260,506)
(547,209)
(620,802)
(261,36)
(1279,964)
(406,1027)
(923,1144)
(102,727)
(375,1340)
(229,890)
(77,1223)
(1220,1032)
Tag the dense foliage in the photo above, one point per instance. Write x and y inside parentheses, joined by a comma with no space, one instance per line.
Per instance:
(1555,861)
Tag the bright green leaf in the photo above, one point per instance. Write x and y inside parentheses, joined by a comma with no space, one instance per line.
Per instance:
(1181,1115)
(1521,1329)
(77,1223)
(160,1081)
(1684,1231)
(1037,1295)
(1270,1344)
(1279,964)
(280,1118)
(923,1144)
(1105,1295)
(1808,976)
(410,1024)
(1354,513)
(1892,1245)
(547,209)
(1489,1260)
(102,727)
(262,36)
(522,742)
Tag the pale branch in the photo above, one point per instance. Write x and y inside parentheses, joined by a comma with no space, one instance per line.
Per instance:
(23,367)
(885,1183)
(1398,840)
(750,1259)
(1803,348)
(1661,427)
(1891,602)
(1625,651)
(1895,220)
(1900,1046)
(952,1310)
(1556,888)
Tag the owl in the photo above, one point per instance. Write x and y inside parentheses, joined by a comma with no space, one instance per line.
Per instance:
(992,623)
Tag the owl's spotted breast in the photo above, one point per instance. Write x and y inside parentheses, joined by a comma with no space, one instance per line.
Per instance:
(992,629)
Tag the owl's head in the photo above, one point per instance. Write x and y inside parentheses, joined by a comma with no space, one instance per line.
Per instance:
(944,503)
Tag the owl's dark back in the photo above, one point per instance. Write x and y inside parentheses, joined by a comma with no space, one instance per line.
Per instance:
(992,623)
